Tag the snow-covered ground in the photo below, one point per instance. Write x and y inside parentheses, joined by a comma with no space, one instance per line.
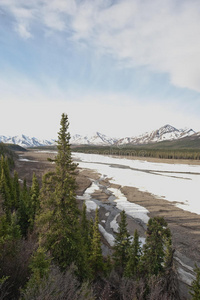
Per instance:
(172,182)
(134,210)
(90,204)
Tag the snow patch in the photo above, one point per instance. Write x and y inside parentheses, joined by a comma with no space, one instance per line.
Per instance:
(25,159)
(113,224)
(109,237)
(90,204)
(134,210)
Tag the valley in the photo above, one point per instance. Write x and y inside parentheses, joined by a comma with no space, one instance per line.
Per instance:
(114,184)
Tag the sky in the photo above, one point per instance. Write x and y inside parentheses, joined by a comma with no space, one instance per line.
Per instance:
(120,67)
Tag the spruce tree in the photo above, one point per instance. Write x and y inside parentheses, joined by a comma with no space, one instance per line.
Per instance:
(85,229)
(8,179)
(23,211)
(10,238)
(96,258)
(6,195)
(133,260)
(122,243)
(58,218)
(195,288)
(169,253)
(153,258)
(34,199)
(39,267)
(16,190)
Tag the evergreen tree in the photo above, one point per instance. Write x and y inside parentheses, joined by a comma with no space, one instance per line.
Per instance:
(5,194)
(96,258)
(169,253)
(8,179)
(34,200)
(122,243)
(85,229)
(23,211)
(40,268)
(58,218)
(10,236)
(133,260)
(154,254)
(195,288)
(16,190)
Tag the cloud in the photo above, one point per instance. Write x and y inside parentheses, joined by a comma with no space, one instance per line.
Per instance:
(162,36)
(23,31)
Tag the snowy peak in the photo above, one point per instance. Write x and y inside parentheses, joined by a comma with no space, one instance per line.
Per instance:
(96,139)
(22,140)
(166,129)
(25,141)
(165,133)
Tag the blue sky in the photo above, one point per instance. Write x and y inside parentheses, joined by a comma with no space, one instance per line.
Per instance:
(119,67)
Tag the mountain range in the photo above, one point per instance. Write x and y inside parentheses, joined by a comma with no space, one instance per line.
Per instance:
(25,141)
(165,133)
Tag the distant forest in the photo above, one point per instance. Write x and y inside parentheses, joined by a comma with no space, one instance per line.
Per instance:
(51,249)
(138,151)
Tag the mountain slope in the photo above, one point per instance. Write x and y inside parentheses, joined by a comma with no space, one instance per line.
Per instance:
(25,141)
(97,138)
(164,133)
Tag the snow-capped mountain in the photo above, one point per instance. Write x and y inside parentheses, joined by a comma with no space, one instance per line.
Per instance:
(95,139)
(164,133)
(25,141)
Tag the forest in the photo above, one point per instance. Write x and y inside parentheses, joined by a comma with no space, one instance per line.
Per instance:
(141,151)
(50,248)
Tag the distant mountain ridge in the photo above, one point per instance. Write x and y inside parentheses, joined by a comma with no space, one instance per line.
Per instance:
(95,139)
(165,133)
(25,141)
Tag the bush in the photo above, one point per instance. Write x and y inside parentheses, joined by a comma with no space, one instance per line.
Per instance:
(59,286)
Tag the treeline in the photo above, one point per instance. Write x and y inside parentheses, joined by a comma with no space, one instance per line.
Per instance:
(5,151)
(131,151)
(49,249)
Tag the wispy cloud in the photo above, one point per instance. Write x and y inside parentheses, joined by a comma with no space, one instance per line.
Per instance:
(163,36)
(23,31)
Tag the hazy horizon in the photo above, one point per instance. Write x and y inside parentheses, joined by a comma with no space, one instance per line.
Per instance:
(121,68)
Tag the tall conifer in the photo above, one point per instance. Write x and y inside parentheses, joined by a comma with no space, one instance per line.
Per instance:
(34,199)
(122,243)
(158,235)
(134,253)
(58,218)
(96,257)
(16,190)
(195,288)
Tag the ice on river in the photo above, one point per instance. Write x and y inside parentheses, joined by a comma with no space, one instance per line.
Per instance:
(134,210)
(90,204)
(26,159)
(178,183)
(109,237)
